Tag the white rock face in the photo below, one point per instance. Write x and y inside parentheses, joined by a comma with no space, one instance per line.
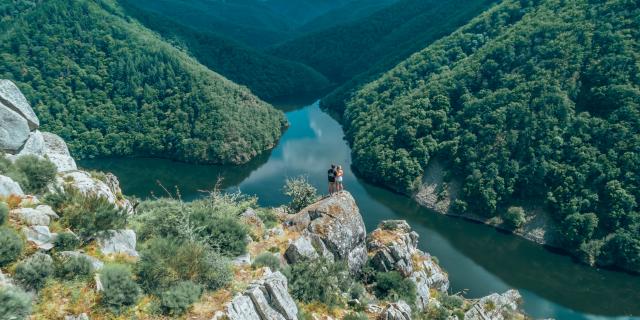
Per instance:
(14,129)
(35,145)
(45,209)
(88,185)
(58,152)
(267,298)
(11,96)
(495,307)
(9,187)
(40,236)
(396,311)
(241,308)
(119,241)
(33,217)
(300,249)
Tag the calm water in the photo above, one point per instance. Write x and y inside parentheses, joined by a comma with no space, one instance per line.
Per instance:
(479,259)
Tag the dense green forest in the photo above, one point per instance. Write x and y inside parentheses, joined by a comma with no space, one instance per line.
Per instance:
(348,13)
(534,99)
(359,52)
(110,87)
(268,77)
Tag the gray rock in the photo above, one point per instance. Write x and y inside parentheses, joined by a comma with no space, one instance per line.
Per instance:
(396,311)
(495,307)
(95,262)
(35,145)
(118,241)
(265,299)
(40,236)
(11,97)
(45,209)
(9,187)
(242,260)
(58,152)
(242,308)
(82,316)
(85,183)
(300,249)
(5,280)
(260,299)
(14,130)
(32,217)
(277,288)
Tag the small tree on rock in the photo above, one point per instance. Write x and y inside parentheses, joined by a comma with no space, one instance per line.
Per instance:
(302,193)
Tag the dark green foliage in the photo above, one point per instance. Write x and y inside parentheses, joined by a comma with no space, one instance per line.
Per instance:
(14,303)
(451,302)
(88,215)
(355,316)
(301,192)
(514,217)
(119,289)
(66,241)
(267,259)
(39,173)
(73,267)
(165,262)
(4,213)
(268,217)
(33,272)
(318,280)
(225,234)
(81,68)
(177,299)
(534,100)
(10,246)
(392,286)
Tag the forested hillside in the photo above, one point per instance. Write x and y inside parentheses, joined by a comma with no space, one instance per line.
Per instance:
(353,10)
(535,99)
(267,76)
(112,88)
(376,43)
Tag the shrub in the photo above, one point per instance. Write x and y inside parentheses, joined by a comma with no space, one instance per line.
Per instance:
(179,298)
(66,241)
(318,280)
(10,246)
(38,172)
(392,286)
(514,218)
(268,217)
(14,303)
(34,271)
(119,289)
(4,213)
(301,192)
(267,259)
(165,262)
(356,316)
(451,302)
(225,234)
(73,267)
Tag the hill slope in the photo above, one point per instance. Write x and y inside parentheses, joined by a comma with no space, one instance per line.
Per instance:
(268,77)
(115,89)
(531,101)
(351,11)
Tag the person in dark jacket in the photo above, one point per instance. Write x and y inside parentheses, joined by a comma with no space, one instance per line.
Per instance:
(331,175)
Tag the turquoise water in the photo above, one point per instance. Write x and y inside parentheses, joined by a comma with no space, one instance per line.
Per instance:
(479,259)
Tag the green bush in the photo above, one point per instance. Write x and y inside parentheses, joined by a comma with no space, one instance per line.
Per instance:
(451,302)
(88,215)
(177,300)
(225,234)
(66,241)
(392,286)
(10,246)
(356,316)
(268,217)
(73,267)
(119,289)
(165,262)
(38,172)
(318,280)
(301,192)
(14,303)
(4,213)
(515,217)
(33,272)
(267,259)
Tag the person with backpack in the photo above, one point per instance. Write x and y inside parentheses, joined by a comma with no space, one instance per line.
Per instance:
(331,175)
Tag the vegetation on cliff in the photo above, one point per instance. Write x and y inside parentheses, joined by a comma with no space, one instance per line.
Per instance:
(534,99)
(112,88)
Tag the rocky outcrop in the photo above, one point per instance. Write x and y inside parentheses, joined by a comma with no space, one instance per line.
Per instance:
(32,217)
(14,129)
(40,236)
(396,311)
(58,152)
(118,242)
(95,262)
(12,98)
(266,299)
(334,224)
(9,187)
(495,307)
(394,247)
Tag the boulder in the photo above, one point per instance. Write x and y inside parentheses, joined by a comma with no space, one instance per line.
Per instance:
(32,217)
(396,311)
(336,223)
(11,97)
(242,308)
(14,130)
(85,183)
(40,236)
(58,152)
(495,306)
(300,249)
(242,260)
(266,298)
(9,187)
(45,209)
(82,316)
(118,241)
(95,262)
(35,145)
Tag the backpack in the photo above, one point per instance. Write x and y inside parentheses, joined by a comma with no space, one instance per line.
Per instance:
(332,175)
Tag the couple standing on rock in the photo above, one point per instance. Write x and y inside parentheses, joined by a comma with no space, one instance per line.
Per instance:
(335,175)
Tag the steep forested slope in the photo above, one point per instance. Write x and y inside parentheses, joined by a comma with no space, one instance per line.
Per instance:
(112,88)
(351,11)
(533,100)
(378,42)
(267,76)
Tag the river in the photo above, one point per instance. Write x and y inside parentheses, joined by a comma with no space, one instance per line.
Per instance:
(479,259)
